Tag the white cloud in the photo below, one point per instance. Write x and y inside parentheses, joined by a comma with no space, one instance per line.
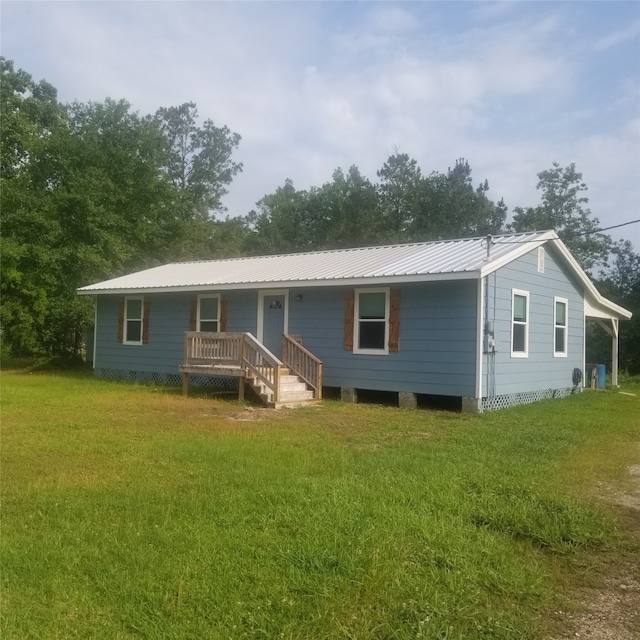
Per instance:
(314,86)
(618,37)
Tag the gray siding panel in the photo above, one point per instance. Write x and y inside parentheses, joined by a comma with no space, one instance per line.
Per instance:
(541,369)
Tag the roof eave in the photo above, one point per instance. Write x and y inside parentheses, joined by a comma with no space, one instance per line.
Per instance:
(237,286)
(591,290)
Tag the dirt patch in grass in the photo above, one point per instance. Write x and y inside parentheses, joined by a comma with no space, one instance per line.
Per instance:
(249,414)
(611,611)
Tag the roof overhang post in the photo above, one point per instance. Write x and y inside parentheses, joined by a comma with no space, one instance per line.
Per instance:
(614,352)
(613,332)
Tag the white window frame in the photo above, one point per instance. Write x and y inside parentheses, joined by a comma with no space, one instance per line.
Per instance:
(525,294)
(126,320)
(556,353)
(356,321)
(199,319)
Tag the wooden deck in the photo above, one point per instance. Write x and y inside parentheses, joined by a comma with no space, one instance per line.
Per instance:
(295,380)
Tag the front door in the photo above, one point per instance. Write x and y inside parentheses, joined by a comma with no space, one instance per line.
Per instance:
(274,321)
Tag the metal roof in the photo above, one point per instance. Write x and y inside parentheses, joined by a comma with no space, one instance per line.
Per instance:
(439,260)
(466,258)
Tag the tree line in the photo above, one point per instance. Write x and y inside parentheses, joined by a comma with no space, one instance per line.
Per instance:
(90,191)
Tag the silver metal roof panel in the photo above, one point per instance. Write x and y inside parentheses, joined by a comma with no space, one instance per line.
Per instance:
(446,259)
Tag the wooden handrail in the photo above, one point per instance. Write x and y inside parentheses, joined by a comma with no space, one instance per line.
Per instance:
(303,363)
(262,363)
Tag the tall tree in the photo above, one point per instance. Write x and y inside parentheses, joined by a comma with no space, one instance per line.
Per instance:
(563,207)
(231,238)
(341,213)
(280,223)
(399,189)
(30,116)
(90,191)
(199,159)
(90,206)
(450,207)
(351,211)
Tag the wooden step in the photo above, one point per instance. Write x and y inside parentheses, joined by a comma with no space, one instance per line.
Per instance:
(291,396)
(293,391)
(304,394)
(292,387)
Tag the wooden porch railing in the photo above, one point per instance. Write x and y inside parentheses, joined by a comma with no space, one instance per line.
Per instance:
(303,363)
(239,354)
(231,354)
(206,348)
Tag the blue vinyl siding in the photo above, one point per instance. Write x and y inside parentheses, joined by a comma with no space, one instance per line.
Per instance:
(169,318)
(437,336)
(540,370)
(437,340)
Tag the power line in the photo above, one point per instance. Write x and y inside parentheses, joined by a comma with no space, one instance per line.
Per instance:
(615,226)
(575,235)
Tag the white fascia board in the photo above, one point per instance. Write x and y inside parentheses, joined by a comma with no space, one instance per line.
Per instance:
(338,282)
(591,311)
(594,310)
(519,249)
(597,302)
(601,307)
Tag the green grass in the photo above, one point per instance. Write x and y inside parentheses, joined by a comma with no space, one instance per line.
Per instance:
(131,512)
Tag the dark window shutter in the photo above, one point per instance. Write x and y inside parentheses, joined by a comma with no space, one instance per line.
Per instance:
(349,302)
(193,318)
(223,315)
(121,321)
(394,321)
(145,322)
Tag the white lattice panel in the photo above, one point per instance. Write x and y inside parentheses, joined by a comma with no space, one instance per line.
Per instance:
(163,379)
(514,399)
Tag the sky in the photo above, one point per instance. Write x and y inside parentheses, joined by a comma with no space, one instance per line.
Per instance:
(312,86)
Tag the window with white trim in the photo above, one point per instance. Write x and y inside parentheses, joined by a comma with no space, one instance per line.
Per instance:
(208,313)
(560,321)
(371,321)
(519,323)
(133,320)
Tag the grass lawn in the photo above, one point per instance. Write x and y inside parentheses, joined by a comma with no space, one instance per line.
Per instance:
(132,512)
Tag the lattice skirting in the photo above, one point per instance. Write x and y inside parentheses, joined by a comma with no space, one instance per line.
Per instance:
(525,397)
(165,379)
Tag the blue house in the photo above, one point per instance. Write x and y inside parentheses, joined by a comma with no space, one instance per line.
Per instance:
(491,322)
